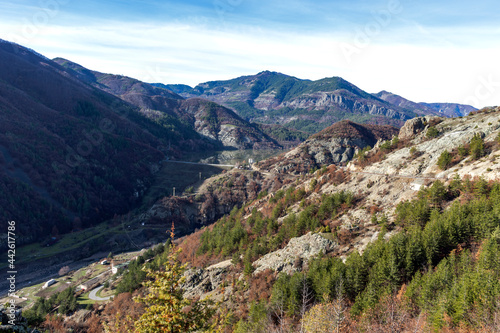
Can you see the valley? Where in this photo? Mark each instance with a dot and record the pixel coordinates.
(376, 190)
(259, 203)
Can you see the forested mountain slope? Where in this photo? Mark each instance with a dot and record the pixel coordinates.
(219, 125)
(71, 154)
(404, 238)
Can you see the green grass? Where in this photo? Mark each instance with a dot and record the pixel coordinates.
(78, 274)
(84, 299)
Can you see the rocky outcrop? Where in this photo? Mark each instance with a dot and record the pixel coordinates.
(13, 321)
(200, 282)
(336, 144)
(297, 252)
(342, 101)
(223, 126)
(411, 128)
(214, 198)
(452, 133)
(187, 213)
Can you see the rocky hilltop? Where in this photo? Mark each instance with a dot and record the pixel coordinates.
(428, 137)
(336, 144)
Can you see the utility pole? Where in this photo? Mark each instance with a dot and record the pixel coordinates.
(174, 192)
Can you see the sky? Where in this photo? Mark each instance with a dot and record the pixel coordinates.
(426, 51)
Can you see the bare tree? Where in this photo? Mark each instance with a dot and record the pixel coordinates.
(307, 299)
(278, 322)
(339, 306)
(390, 315)
(327, 317)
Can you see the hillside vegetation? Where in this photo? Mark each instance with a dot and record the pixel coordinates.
(383, 246)
(70, 155)
(79, 147)
(197, 118)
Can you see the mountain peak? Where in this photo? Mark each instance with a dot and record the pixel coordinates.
(19, 49)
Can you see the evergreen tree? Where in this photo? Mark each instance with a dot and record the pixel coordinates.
(477, 147)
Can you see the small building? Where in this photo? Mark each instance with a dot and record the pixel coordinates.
(49, 283)
(116, 267)
(91, 284)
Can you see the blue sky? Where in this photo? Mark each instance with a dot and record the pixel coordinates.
(432, 51)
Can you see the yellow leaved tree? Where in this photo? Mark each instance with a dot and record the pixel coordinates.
(166, 308)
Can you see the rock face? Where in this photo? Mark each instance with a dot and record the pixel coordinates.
(411, 128)
(299, 250)
(222, 125)
(200, 282)
(188, 213)
(336, 144)
(275, 98)
(452, 133)
(13, 321)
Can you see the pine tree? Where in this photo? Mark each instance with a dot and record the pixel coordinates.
(477, 147)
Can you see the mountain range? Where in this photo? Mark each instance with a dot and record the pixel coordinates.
(440, 109)
(275, 98)
(211, 121)
(363, 227)
(79, 146)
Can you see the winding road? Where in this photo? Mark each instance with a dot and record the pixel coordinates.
(215, 165)
(93, 295)
(397, 175)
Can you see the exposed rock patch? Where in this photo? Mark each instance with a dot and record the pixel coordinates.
(299, 249)
(201, 282)
(336, 144)
(411, 127)
(453, 133)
